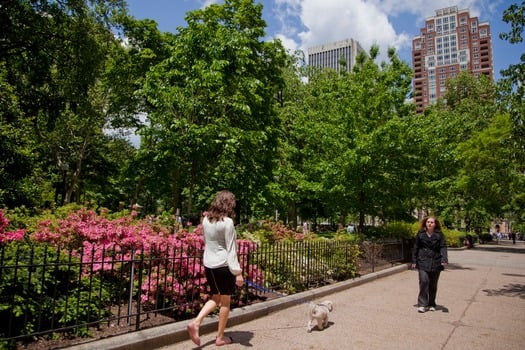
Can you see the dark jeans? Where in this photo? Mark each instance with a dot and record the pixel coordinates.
(428, 281)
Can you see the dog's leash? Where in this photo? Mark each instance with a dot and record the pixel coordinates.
(272, 291)
(264, 289)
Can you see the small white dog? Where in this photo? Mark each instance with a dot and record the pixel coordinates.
(318, 314)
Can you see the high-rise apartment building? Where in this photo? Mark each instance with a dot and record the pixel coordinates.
(451, 42)
(337, 55)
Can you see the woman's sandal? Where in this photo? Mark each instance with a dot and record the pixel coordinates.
(224, 341)
(194, 334)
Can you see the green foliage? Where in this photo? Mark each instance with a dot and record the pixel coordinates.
(454, 238)
(512, 97)
(271, 231)
(400, 229)
(297, 266)
(488, 171)
(218, 106)
(394, 229)
(44, 288)
(212, 123)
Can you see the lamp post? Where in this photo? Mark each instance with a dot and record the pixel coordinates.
(64, 167)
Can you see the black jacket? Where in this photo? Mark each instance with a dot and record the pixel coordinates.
(429, 252)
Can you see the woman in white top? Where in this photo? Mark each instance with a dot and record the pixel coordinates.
(221, 264)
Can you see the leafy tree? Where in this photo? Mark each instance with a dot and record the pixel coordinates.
(512, 87)
(342, 144)
(487, 174)
(375, 171)
(214, 123)
(468, 107)
(55, 55)
(285, 191)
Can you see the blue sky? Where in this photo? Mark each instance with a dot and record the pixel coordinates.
(301, 24)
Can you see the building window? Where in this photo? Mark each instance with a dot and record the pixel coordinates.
(430, 27)
(483, 32)
(463, 20)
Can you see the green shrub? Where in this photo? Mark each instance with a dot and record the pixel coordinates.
(454, 238)
(41, 287)
(400, 229)
(395, 229)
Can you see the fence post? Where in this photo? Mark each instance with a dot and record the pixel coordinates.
(131, 274)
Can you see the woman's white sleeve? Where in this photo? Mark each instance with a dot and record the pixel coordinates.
(231, 245)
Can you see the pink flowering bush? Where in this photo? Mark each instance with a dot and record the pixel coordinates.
(271, 231)
(8, 236)
(38, 283)
(86, 262)
(174, 274)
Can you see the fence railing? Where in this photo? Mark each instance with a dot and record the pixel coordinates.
(46, 290)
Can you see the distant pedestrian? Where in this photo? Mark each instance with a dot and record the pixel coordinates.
(429, 256)
(221, 264)
(469, 241)
(498, 234)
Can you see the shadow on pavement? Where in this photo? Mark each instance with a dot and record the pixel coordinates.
(501, 249)
(455, 266)
(243, 338)
(509, 290)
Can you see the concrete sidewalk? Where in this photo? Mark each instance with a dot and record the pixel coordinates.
(481, 305)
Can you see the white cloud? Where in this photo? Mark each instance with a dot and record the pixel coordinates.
(322, 21)
(307, 23)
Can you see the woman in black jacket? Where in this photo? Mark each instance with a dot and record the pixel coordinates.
(429, 255)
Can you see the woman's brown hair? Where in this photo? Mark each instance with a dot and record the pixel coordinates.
(222, 205)
(424, 223)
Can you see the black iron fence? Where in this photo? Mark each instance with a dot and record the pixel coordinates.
(51, 290)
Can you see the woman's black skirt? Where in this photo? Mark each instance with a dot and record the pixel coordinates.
(221, 280)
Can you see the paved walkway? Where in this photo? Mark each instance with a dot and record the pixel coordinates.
(481, 305)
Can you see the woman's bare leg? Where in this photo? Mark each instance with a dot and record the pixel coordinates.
(224, 312)
(193, 327)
